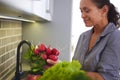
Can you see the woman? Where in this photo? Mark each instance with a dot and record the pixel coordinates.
(98, 50)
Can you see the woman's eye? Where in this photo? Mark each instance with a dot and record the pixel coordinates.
(87, 11)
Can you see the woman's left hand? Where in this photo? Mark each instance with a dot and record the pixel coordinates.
(51, 61)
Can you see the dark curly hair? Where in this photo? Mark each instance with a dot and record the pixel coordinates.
(113, 14)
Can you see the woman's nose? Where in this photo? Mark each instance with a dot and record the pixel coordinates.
(83, 15)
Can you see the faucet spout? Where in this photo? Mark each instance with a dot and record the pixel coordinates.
(18, 73)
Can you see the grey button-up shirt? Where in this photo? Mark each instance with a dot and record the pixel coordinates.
(104, 57)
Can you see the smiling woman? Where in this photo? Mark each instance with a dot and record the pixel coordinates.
(98, 49)
(77, 23)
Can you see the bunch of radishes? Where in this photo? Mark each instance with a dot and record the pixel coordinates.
(46, 52)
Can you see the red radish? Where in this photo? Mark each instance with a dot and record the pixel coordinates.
(48, 51)
(55, 52)
(44, 56)
(33, 77)
(36, 52)
(53, 57)
(41, 47)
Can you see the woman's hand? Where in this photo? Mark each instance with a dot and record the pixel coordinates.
(51, 61)
(94, 76)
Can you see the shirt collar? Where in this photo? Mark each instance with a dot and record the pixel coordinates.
(109, 28)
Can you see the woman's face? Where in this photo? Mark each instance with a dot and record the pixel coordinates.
(92, 16)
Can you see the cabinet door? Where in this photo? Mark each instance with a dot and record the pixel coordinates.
(43, 8)
(23, 5)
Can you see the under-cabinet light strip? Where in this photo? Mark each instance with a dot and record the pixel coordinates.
(13, 18)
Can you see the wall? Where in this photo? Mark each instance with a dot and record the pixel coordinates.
(78, 25)
(10, 35)
(56, 33)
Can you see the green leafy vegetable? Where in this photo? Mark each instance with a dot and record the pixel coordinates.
(65, 71)
(36, 62)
